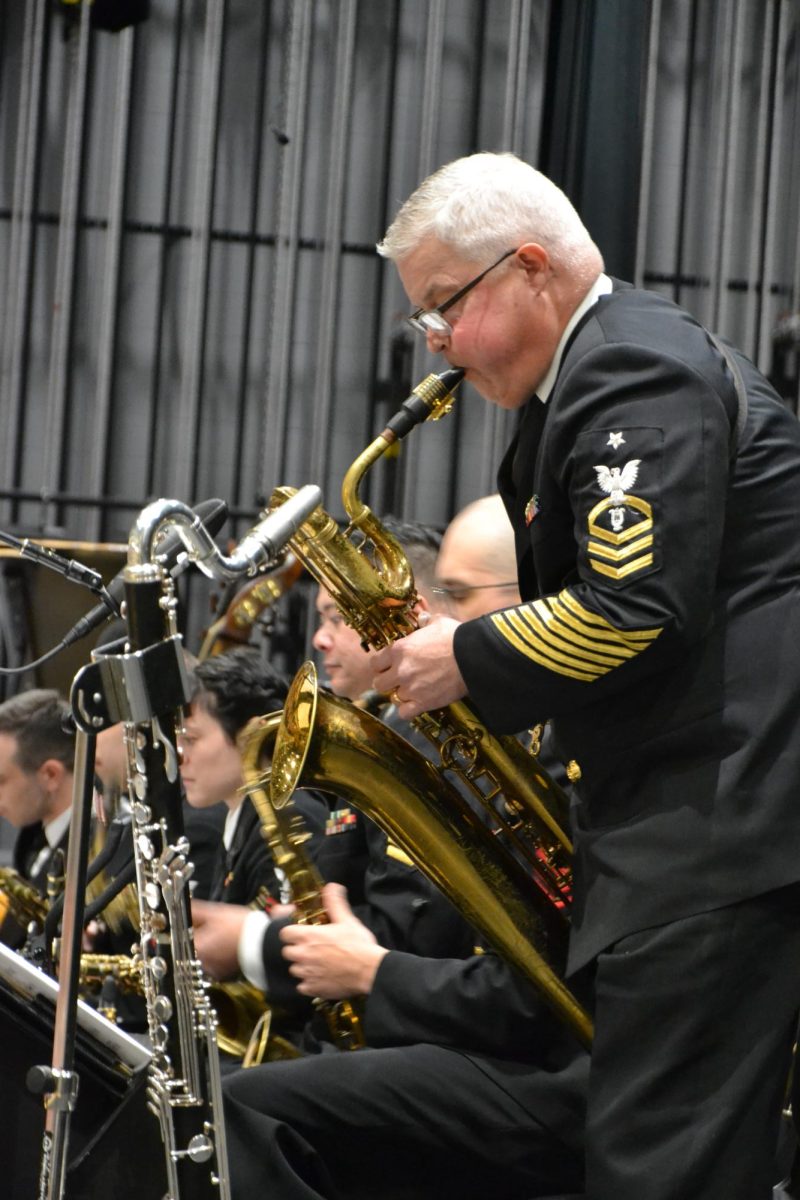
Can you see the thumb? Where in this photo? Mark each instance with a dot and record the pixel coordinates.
(337, 906)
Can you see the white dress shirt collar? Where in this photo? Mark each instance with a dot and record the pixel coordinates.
(601, 287)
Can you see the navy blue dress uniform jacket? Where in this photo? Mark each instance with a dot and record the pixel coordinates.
(241, 871)
(659, 563)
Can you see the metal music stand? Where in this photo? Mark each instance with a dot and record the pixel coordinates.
(58, 1083)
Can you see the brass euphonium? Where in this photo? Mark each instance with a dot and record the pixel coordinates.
(235, 625)
(522, 910)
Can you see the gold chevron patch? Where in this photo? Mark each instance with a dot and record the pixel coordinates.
(619, 554)
(560, 634)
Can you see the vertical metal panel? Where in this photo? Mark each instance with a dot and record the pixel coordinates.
(293, 120)
(18, 282)
(329, 298)
(197, 294)
(727, 145)
(58, 384)
(97, 457)
(648, 141)
(770, 262)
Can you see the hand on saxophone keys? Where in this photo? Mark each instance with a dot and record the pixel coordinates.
(334, 961)
(419, 672)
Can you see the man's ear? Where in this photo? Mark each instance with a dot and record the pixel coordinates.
(536, 262)
(422, 605)
(51, 774)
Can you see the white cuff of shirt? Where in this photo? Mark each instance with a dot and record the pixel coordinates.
(250, 948)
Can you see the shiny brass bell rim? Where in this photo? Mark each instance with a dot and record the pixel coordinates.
(294, 735)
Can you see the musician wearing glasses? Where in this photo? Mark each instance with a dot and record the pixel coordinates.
(654, 489)
(474, 559)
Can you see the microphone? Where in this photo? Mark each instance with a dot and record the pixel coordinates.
(271, 534)
(213, 514)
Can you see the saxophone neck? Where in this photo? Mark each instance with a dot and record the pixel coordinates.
(283, 831)
(357, 511)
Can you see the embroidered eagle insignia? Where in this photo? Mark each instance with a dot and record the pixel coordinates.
(616, 481)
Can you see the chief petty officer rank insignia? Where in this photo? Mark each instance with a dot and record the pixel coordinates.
(621, 524)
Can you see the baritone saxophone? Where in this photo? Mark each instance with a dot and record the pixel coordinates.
(524, 909)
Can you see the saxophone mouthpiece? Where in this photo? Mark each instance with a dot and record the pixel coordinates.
(432, 398)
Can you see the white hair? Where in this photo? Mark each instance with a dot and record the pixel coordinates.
(486, 203)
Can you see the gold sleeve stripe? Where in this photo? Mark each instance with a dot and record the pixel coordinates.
(510, 636)
(631, 637)
(553, 632)
(563, 636)
(558, 614)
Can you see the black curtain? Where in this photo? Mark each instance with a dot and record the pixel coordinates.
(593, 119)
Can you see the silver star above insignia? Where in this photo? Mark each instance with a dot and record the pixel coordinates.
(615, 440)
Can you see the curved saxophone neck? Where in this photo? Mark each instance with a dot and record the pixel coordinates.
(431, 399)
(356, 509)
(255, 739)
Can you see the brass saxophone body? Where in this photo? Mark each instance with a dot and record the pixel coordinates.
(20, 900)
(285, 834)
(372, 584)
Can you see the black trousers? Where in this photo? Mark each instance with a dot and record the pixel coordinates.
(694, 1027)
(412, 1123)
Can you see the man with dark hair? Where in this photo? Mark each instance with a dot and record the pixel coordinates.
(228, 691)
(36, 766)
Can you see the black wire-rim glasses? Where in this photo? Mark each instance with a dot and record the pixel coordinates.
(432, 320)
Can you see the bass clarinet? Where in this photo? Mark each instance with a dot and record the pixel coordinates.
(146, 688)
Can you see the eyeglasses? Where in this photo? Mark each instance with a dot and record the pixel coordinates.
(431, 320)
(460, 591)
